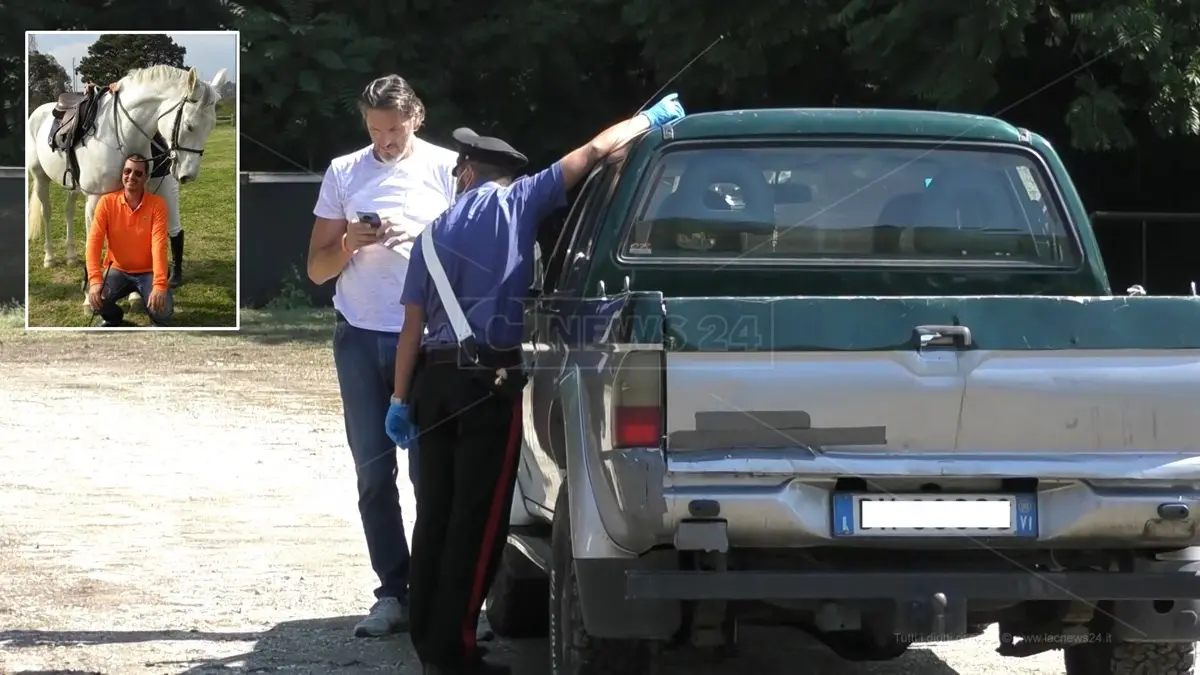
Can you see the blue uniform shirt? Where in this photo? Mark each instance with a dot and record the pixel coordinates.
(485, 244)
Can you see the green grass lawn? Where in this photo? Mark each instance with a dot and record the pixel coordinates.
(208, 297)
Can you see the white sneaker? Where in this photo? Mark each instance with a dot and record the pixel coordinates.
(387, 615)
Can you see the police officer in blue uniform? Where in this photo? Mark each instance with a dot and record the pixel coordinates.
(465, 396)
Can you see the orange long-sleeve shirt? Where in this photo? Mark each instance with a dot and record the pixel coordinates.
(136, 238)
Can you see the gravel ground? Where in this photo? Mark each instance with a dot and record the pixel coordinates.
(185, 505)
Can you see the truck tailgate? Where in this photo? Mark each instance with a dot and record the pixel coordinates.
(994, 374)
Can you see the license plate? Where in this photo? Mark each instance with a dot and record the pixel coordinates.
(934, 515)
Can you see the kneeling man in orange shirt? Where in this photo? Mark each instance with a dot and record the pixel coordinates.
(133, 223)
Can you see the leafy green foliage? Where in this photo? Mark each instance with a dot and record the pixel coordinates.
(306, 66)
(113, 55)
(546, 74)
(1132, 64)
(47, 79)
(293, 293)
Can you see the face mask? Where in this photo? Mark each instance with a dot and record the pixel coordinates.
(462, 183)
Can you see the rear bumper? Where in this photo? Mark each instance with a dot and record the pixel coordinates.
(997, 586)
(1147, 606)
(783, 498)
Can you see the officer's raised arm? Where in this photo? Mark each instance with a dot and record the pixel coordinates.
(579, 162)
(546, 190)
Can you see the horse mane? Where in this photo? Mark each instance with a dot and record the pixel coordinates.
(170, 76)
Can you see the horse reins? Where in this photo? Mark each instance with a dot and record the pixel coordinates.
(173, 146)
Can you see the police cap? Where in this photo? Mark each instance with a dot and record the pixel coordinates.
(487, 150)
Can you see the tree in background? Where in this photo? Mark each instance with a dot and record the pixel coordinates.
(310, 64)
(47, 79)
(1111, 73)
(227, 106)
(113, 55)
(1085, 76)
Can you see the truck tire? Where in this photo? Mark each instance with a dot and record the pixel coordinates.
(572, 650)
(516, 605)
(1131, 658)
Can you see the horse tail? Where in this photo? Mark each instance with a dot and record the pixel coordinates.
(36, 207)
(38, 179)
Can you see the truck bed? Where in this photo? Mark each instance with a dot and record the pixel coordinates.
(1082, 407)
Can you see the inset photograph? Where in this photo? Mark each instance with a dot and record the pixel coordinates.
(132, 137)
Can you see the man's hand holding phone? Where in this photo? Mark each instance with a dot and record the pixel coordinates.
(363, 232)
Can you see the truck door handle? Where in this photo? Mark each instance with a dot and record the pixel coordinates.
(942, 336)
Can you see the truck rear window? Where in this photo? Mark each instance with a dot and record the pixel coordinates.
(880, 204)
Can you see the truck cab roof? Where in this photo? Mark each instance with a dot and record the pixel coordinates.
(894, 123)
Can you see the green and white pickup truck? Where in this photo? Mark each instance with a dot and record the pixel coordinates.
(859, 372)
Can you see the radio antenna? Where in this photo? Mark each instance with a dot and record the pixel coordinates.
(680, 72)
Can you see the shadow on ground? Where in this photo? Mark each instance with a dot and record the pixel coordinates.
(327, 647)
(324, 646)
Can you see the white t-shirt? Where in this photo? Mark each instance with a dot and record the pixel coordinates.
(411, 194)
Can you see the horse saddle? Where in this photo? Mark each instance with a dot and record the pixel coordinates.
(74, 116)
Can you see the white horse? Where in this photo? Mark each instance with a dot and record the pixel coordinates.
(164, 100)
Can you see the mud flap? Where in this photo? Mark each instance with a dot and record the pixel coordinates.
(520, 514)
(1165, 620)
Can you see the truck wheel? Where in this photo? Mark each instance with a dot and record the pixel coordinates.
(516, 604)
(1131, 658)
(572, 650)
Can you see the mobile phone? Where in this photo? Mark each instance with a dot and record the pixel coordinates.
(371, 219)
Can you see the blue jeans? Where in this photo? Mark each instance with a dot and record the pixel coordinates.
(118, 285)
(366, 370)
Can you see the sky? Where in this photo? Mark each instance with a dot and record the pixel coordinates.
(207, 52)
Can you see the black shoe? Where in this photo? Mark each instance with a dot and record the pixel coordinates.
(113, 321)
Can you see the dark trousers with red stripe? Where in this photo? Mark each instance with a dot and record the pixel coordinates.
(469, 446)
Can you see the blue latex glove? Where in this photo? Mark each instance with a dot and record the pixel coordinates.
(399, 428)
(668, 109)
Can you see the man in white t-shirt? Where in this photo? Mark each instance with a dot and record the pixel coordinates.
(407, 182)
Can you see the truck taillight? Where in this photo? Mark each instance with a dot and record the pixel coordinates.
(637, 412)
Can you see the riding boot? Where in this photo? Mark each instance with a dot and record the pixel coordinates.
(177, 260)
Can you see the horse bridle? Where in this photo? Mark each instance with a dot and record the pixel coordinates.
(173, 145)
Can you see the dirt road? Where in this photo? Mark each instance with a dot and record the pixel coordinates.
(186, 506)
